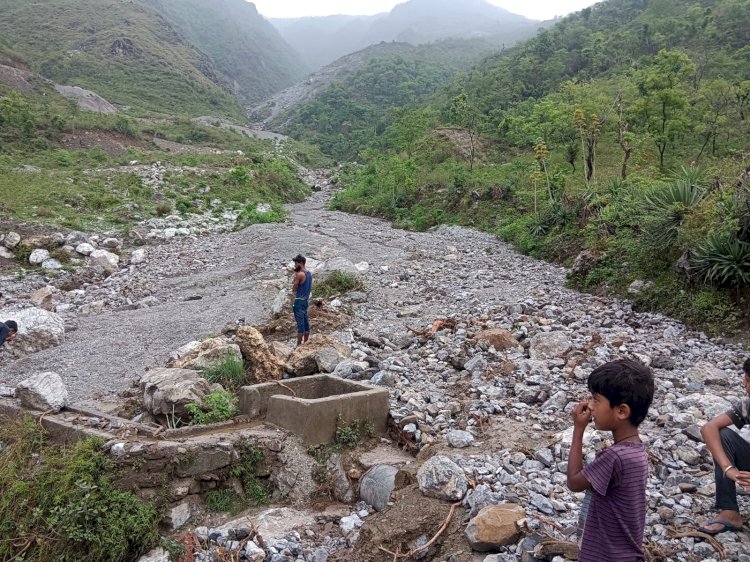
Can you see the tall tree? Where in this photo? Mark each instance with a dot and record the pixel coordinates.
(663, 98)
(465, 114)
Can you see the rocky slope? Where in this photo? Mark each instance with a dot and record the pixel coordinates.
(488, 388)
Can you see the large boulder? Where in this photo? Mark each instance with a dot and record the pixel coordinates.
(261, 364)
(443, 479)
(495, 526)
(38, 256)
(43, 298)
(11, 240)
(108, 261)
(340, 264)
(376, 486)
(45, 392)
(37, 330)
(207, 354)
(549, 345)
(319, 354)
(500, 339)
(166, 392)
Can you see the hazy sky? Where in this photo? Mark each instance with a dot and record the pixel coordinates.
(534, 9)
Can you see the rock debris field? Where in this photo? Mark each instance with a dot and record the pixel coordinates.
(484, 393)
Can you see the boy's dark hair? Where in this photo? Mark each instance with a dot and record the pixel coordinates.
(625, 382)
(746, 366)
(12, 325)
(299, 259)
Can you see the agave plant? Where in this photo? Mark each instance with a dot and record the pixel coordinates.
(723, 260)
(668, 208)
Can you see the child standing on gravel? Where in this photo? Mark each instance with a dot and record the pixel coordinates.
(621, 394)
(731, 455)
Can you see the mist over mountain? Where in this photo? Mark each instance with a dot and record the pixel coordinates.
(241, 43)
(321, 40)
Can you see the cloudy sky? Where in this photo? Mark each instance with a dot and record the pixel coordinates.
(535, 9)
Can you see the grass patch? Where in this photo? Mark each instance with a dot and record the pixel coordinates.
(338, 283)
(255, 490)
(251, 216)
(217, 407)
(229, 373)
(60, 503)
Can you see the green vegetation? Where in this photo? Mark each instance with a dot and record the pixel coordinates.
(337, 283)
(217, 407)
(59, 503)
(255, 491)
(229, 373)
(622, 130)
(155, 56)
(242, 45)
(86, 190)
(355, 111)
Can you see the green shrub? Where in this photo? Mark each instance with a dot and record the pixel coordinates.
(163, 209)
(337, 283)
(250, 216)
(229, 373)
(246, 469)
(723, 260)
(666, 209)
(60, 503)
(216, 407)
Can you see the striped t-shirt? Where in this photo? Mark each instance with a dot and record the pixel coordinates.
(613, 531)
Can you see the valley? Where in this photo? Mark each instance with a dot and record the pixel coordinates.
(491, 207)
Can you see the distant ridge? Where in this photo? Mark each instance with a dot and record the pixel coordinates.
(321, 40)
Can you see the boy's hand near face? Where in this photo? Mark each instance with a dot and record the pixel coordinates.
(581, 415)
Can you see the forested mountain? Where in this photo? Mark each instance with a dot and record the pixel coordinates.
(153, 55)
(323, 40)
(345, 105)
(619, 135)
(242, 44)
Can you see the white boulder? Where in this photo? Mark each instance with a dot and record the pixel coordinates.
(45, 392)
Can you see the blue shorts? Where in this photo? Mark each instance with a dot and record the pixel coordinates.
(300, 315)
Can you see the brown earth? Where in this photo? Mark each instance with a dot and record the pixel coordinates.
(398, 527)
(323, 320)
(114, 144)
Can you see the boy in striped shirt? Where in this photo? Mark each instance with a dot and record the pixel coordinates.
(621, 393)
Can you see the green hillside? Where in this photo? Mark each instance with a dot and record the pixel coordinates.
(123, 51)
(355, 110)
(623, 131)
(241, 43)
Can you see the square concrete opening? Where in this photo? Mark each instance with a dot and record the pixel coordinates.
(320, 402)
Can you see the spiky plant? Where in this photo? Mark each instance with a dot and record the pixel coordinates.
(723, 260)
(667, 208)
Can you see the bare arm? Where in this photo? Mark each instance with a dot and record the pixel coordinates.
(577, 482)
(299, 278)
(712, 437)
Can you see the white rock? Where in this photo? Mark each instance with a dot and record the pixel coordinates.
(51, 265)
(85, 249)
(38, 256)
(156, 555)
(12, 239)
(37, 330)
(362, 267)
(138, 256)
(45, 391)
(348, 524)
(460, 439)
(254, 553)
(107, 260)
(6, 253)
(111, 243)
